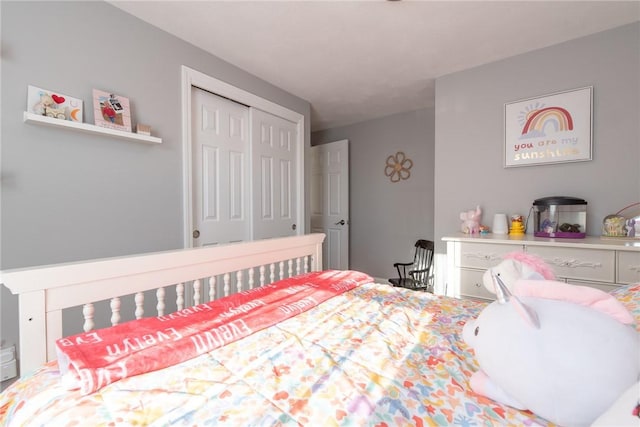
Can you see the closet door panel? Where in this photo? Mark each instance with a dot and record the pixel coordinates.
(220, 132)
(275, 181)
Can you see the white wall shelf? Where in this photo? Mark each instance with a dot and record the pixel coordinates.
(85, 127)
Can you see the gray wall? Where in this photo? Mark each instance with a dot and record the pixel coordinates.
(465, 137)
(469, 131)
(71, 196)
(387, 218)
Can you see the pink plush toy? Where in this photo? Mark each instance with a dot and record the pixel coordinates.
(471, 221)
(564, 352)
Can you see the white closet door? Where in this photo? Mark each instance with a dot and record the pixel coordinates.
(221, 194)
(274, 171)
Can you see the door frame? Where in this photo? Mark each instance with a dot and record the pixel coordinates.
(191, 77)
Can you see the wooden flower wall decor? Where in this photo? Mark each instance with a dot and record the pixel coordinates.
(397, 167)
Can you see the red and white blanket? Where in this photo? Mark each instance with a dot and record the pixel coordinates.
(92, 360)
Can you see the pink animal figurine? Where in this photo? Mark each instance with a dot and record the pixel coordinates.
(471, 221)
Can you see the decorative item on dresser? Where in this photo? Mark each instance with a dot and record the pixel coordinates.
(560, 217)
(471, 220)
(590, 261)
(623, 223)
(500, 225)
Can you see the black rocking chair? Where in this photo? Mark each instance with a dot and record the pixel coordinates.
(416, 275)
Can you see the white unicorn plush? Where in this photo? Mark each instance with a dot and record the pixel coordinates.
(564, 352)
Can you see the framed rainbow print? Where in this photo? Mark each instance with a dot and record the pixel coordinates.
(555, 128)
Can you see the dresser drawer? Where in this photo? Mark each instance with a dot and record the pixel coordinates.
(484, 255)
(628, 268)
(581, 264)
(471, 285)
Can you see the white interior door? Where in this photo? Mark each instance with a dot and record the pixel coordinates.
(274, 171)
(330, 201)
(221, 193)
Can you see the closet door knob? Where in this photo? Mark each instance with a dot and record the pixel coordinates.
(196, 234)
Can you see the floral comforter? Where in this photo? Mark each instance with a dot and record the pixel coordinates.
(374, 356)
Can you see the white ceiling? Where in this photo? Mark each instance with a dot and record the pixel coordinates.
(358, 60)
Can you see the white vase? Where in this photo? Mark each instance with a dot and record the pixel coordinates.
(500, 224)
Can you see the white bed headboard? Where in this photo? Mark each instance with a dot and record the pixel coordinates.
(45, 291)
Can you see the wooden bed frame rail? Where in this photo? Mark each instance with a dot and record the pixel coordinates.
(45, 291)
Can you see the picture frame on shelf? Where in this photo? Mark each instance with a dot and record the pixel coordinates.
(111, 111)
(553, 128)
(45, 102)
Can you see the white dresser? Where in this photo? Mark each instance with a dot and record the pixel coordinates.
(592, 261)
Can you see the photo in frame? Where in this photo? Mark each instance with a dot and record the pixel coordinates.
(554, 128)
(111, 111)
(44, 102)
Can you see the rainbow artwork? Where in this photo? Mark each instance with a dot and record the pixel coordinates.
(556, 118)
(549, 129)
